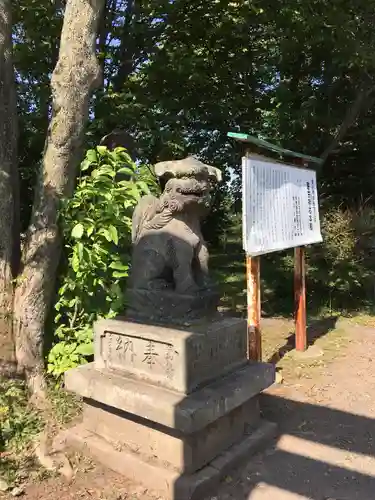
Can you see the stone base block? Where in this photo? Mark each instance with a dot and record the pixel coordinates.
(186, 414)
(178, 358)
(175, 443)
(171, 449)
(169, 483)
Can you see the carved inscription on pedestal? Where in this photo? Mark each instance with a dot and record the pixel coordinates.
(139, 355)
(222, 350)
(180, 360)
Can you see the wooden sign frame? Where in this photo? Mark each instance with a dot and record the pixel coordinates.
(253, 264)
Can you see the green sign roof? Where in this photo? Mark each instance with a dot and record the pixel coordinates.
(272, 147)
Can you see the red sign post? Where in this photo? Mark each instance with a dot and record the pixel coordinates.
(254, 338)
(300, 299)
(300, 315)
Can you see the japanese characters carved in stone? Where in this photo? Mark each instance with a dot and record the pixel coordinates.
(169, 276)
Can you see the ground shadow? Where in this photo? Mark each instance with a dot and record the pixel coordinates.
(320, 477)
(315, 331)
(331, 460)
(331, 427)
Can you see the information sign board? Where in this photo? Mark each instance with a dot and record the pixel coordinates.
(280, 206)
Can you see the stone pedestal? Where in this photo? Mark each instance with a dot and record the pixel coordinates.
(171, 408)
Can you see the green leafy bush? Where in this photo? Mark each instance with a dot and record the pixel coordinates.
(340, 270)
(96, 224)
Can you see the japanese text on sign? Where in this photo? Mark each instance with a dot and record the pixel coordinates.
(280, 206)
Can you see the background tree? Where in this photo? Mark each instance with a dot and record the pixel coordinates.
(8, 189)
(76, 74)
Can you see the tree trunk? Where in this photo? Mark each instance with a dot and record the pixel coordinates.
(76, 75)
(8, 187)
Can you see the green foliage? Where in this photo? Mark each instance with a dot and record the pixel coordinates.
(341, 269)
(35, 53)
(217, 224)
(19, 426)
(18, 423)
(96, 225)
(179, 75)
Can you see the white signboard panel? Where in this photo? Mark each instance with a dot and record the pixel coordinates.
(280, 206)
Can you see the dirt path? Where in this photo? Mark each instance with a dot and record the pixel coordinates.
(325, 450)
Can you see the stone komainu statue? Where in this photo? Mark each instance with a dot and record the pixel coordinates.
(169, 276)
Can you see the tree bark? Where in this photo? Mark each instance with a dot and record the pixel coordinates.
(76, 75)
(8, 189)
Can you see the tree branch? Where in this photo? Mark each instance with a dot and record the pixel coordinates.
(350, 118)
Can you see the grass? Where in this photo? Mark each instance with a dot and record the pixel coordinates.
(66, 406)
(20, 426)
(330, 334)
